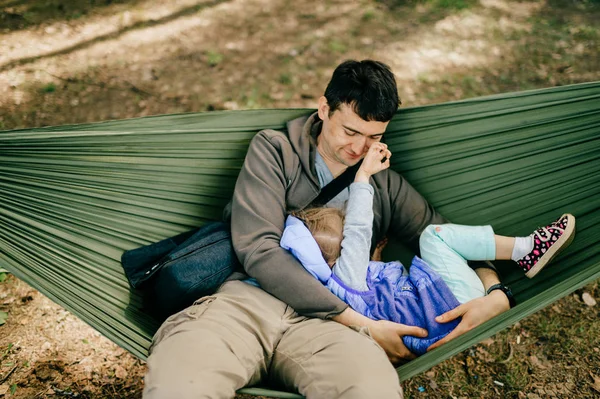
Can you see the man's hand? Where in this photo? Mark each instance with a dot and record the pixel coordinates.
(389, 336)
(386, 333)
(474, 313)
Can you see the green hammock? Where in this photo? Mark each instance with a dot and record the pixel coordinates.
(75, 197)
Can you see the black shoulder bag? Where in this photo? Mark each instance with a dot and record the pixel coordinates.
(176, 271)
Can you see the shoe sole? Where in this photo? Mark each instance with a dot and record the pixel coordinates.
(560, 244)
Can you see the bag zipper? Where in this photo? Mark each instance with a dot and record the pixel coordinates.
(165, 262)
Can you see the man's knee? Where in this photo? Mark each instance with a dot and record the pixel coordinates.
(202, 386)
(205, 370)
(368, 385)
(337, 363)
(370, 374)
(201, 352)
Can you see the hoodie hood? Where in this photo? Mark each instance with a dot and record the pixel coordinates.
(300, 242)
(303, 133)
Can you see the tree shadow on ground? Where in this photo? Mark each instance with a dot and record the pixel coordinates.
(185, 11)
(22, 14)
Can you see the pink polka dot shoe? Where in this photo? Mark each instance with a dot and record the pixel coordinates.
(547, 243)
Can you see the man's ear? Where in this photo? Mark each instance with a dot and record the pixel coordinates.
(323, 108)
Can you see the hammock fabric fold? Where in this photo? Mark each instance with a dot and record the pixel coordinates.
(75, 197)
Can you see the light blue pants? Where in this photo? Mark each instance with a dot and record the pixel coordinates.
(447, 247)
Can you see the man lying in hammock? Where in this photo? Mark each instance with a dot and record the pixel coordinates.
(293, 332)
(334, 246)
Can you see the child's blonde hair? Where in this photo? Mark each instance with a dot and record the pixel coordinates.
(327, 227)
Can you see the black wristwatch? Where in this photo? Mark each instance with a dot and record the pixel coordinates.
(506, 290)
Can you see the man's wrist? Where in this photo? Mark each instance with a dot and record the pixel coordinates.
(503, 294)
(350, 317)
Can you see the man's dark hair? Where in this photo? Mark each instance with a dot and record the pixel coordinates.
(367, 86)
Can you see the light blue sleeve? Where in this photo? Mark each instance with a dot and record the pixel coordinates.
(352, 265)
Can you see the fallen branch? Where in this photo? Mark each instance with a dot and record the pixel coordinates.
(68, 394)
(8, 375)
(510, 355)
(137, 90)
(103, 85)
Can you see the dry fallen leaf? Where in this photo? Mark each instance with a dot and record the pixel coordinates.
(536, 362)
(120, 372)
(596, 383)
(484, 355)
(556, 308)
(3, 389)
(588, 299)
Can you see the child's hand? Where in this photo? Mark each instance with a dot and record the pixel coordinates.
(377, 254)
(376, 160)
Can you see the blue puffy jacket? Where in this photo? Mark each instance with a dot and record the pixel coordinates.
(413, 299)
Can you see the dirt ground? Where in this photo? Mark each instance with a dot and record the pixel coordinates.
(90, 60)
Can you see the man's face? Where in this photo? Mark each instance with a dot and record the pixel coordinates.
(345, 137)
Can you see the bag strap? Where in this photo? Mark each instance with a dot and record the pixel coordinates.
(335, 186)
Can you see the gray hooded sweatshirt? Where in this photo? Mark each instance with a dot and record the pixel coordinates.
(279, 176)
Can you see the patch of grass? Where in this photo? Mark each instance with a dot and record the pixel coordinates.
(286, 59)
(454, 5)
(76, 15)
(469, 83)
(548, 327)
(428, 11)
(7, 351)
(585, 32)
(285, 78)
(423, 78)
(214, 58)
(252, 98)
(449, 5)
(49, 88)
(368, 15)
(516, 376)
(28, 13)
(336, 46)
(308, 16)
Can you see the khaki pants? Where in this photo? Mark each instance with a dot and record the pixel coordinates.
(242, 336)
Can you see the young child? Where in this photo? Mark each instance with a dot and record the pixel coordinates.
(334, 247)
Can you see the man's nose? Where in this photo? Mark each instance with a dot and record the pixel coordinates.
(359, 146)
